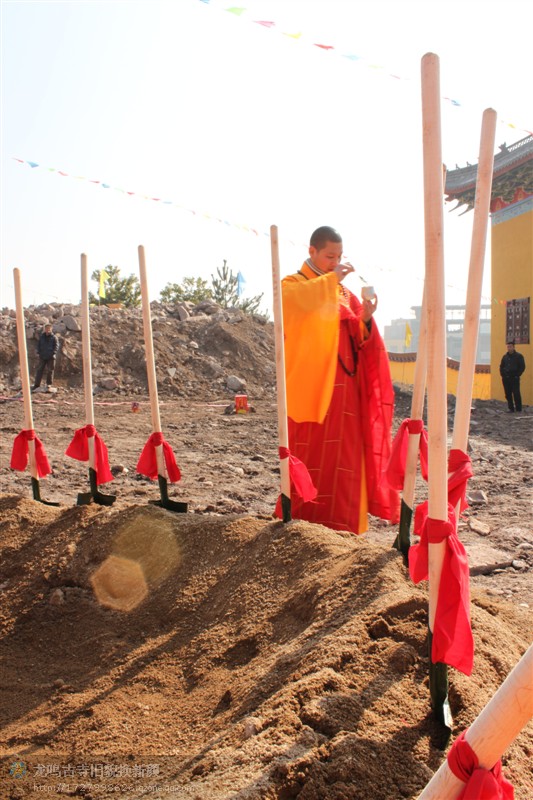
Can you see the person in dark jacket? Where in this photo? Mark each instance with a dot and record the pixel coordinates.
(47, 348)
(512, 366)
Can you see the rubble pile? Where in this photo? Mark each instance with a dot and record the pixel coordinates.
(200, 350)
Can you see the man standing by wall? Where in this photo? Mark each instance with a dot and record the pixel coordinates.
(47, 348)
(512, 366)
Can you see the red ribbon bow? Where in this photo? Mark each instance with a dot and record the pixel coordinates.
(395, 470)
(300, 477)
(459, 470)
(79, 449)
(147, 463)
(481, 784)
(21, 452)
(453, 642)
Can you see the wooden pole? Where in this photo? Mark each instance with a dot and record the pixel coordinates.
(86, 353)
(162, 473)
(436, 365)
(150, 363)
(24, 373)
(495, 728)
(283, 430)
(475, 280)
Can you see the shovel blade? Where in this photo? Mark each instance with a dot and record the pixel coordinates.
(286, 513)
(403, 539)
(104, 499)
(84, 498)
(36, 491)
(171, 505)
(165, 501)
(438, 689)
(99, 497)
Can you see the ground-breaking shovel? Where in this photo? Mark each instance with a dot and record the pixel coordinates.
(26, 394)
(283, 434)
(491, 733)
(94, 495)
(436, 361)
(294, 473)
(160, 445)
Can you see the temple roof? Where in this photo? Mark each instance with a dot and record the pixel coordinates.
(512, 171)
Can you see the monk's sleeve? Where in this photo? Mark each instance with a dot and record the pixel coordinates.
(311, 327)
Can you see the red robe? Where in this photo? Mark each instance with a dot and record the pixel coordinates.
(345, 412)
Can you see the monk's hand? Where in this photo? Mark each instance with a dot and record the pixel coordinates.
(342, 270)
(369, 307)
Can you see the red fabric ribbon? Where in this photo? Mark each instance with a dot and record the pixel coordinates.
(459, 470)
(147, 463)
(453, 642)
(300, 476)
(395, 470)
(79, 449)
(481, 784)
(21, 453)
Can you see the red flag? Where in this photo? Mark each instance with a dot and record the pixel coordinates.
(79, 449)
(395, 470)
(481, 784)
(20, 454)
(460, 470)
(453, 642)
(147, 464)
(300, 476)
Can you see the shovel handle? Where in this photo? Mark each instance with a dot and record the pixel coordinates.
(23, 352)
(467, 366)
(283, 430)
(24, 372)
(436, 324)
(149, 346)
(86, 349)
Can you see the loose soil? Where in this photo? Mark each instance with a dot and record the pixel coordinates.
(219, 653)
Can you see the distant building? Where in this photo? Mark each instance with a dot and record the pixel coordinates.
(402, 335)
(511, 210)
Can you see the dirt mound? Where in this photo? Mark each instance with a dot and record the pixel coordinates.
(256, 660)
(217, 654)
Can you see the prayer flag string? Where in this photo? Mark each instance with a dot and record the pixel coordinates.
(245, 13)
(203, 215)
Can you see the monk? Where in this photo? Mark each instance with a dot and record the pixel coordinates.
(339, 392)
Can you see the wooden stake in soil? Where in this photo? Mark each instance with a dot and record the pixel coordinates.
(162, 474)
(283, 432)
(492, 732)
(436, 364)
(28, 433)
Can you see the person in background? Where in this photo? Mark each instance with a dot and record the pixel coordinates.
(47, 347)
(512, 366)
(340, 396)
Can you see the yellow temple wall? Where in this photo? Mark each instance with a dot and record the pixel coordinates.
(512, 278)
(403, 371)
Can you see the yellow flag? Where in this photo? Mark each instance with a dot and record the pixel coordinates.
(408, 334)
(103, 278)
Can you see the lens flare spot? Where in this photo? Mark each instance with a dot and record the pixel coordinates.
(119, 583)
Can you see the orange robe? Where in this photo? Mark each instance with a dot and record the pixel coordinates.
(340, 417)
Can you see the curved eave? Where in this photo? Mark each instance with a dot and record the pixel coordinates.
(513, 168)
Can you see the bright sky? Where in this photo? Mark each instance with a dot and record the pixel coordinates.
(247, 127)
